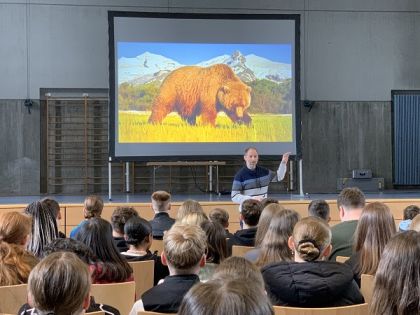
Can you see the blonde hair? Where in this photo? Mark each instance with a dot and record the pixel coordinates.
(14, 227)
(196, 218)
(161, 200)
(187, 207)
(311, 236)
(15, 264)
(184, 246)
(93, 206)
(60, 283)
(264, 222)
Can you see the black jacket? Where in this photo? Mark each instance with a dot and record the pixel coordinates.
(311, 284)
(160, 223)
(242, 238)
(120, 243)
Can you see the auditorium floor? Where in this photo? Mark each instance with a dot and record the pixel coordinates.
(140, 198)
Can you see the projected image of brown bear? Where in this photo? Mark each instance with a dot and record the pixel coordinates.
(193, 91)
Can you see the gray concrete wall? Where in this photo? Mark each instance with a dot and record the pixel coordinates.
(351, 51)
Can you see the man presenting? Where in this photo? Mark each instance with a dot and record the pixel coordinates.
(251, 181)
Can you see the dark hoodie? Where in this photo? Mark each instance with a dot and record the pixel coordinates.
(311, 284)
(242, 238)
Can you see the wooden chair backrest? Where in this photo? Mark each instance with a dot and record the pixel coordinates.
(12, 297)
(360, 309)
(341, 259)
(157, 245)
(96, 313)
(366, 287)
(153, 313)
(240, 251)
(143, 272)
(118, 295)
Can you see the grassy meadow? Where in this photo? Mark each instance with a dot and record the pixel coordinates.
(133, 127)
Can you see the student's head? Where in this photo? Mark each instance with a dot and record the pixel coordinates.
(350, 202)
(44, 227)
(196, 218)
(251, 158)
(267, 201)
(15, 264)
(60, 284)
(320, 209)
(397, 281)
(137, 232)
(15, 228)
(410, 212)
(239, 297)
(264, 221)
(184, 248)
(238, 268)
(274, 247)
(221, 216)
(251, 211)
(161, 201)
(187, 207)
(311, 239)
(374, 229)
(120, 216)
(93, 206)
(96, 233)
(216, 242)
(415, 224)
(72, 246)
(53, 206)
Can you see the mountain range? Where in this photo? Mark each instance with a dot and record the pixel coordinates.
(149, 67)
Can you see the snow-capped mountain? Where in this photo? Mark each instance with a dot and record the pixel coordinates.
(149, 67)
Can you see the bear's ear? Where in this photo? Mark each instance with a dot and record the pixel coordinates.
(225, 89)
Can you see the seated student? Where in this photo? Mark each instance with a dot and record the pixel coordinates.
(376, 226)
(15, 228)
(55, 208)
(59, 284)
(161, 204)
(184, 252)
(222, 217)
(239, 297)
(250, 215)
(15, 264)
(196, 218)
(118, 219)
(111, 267)
(92, 208)
(216, 248)
(138, 235)
(319, 208)
(44, 227)
(309, 281)
(187, 207)
(409, 213)
(268, 201)
(86, 255)
(397, 280)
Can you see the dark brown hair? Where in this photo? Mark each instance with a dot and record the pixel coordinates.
(351, 198)
(410, 212)
(161, 200)
(93, 206)
(320, 209)
(264, 221)
(120, 216)
(219, 215)
(251, 211)
(216, 242)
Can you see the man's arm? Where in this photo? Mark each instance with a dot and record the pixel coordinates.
(281, 171)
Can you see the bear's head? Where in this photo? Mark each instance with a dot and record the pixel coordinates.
(235, 99)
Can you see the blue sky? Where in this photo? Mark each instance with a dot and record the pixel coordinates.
(190, 54)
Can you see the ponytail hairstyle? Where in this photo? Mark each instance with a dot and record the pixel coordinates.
(311, 236)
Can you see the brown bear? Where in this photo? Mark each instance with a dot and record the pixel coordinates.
(192, 91)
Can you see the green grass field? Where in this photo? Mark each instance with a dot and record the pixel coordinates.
(133, 127)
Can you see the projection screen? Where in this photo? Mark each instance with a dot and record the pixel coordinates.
(195, 86)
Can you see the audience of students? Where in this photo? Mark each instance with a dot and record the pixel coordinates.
(309, 281)
(216, 248)
(96, 233)
(319, 208)
(184, 252)
(222, 217)
(376, 226)
(161, 204)
(397, 281)
(350, 202)
(118, 219)
(92, 208)
(15, 228)
(409, 214)
(138, 235)
(44, 227)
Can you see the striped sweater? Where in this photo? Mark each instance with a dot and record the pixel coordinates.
(250, 183)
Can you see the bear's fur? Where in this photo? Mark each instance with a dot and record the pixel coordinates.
(193, 91)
